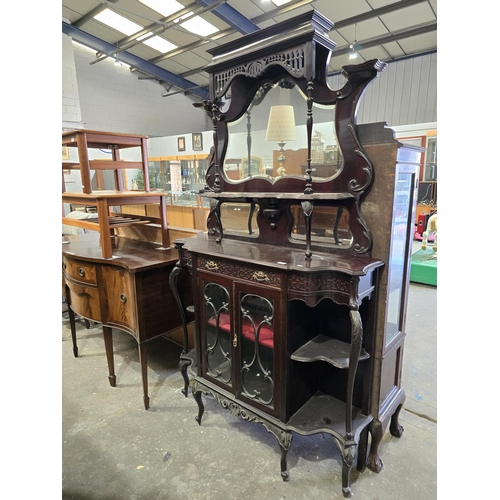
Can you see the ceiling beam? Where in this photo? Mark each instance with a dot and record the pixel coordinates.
(134, 61)
(231, 16)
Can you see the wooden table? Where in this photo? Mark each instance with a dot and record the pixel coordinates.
(130, 292)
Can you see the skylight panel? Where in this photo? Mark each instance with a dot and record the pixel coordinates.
(127, 27)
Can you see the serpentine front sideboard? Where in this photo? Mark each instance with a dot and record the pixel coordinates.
(130, 292)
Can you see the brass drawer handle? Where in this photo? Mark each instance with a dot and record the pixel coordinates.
(81, 272)
(261, 277)
(123, 298)
(211, 266)
(235, 340)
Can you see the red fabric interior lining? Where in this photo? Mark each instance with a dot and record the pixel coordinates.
(266, 335)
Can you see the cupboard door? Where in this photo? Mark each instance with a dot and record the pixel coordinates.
(119, 298)
(257, 320)
(216, 331)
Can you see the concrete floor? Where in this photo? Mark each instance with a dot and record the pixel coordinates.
(114, 449)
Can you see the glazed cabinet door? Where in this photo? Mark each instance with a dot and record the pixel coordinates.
(258, 323)
(216, 329)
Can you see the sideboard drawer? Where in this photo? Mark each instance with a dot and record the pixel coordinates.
(239, 270)
(85, 301)
(80, 271)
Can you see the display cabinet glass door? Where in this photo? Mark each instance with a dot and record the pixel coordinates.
(216, 331)
(257, 320)
(400, 253)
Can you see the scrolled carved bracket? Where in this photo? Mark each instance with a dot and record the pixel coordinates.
(214, 224)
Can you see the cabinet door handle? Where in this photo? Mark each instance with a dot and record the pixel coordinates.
(81, 272)
(123, 298)
(235, 340)
(211, 266)
(261, 277)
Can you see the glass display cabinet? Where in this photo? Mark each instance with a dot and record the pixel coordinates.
(294, 311)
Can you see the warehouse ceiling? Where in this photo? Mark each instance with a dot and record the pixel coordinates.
(167, 40)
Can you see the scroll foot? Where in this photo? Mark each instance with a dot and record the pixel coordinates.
(347, 492)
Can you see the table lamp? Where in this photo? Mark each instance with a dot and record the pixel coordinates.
(281, 128)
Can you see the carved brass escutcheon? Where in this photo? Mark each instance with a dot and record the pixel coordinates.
(235, 340)
(261, 277)
(211, 266)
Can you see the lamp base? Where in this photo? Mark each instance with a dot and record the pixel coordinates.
(281, 160)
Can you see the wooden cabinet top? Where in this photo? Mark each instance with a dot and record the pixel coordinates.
(132, 255)
(280, 257)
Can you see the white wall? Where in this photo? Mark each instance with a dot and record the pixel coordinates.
(71, 110)
(404, 93)
(113, 99)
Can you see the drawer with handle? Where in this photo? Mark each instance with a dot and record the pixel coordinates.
(82, 272)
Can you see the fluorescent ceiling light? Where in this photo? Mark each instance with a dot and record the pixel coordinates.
(279, 3)
(158, 43)
(163, 7)
(198, 25)
(127, 27)
(195, 24)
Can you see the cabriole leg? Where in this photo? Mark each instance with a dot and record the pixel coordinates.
(284, 447)
(396, 429)
(201, 407)
(348, 454)
(183, 367)
(373, 462)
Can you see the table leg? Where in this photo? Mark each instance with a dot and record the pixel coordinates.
(143, 360)
(108, 344)
(72, 322)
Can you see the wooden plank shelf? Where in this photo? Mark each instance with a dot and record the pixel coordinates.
(323, 348)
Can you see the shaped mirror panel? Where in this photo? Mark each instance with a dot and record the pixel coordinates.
(270, 138)
(240, 218)
(328, 225)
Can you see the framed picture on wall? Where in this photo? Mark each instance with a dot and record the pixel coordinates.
(181, 144)
(197, 142)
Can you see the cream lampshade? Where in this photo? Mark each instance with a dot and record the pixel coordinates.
(281, 128)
